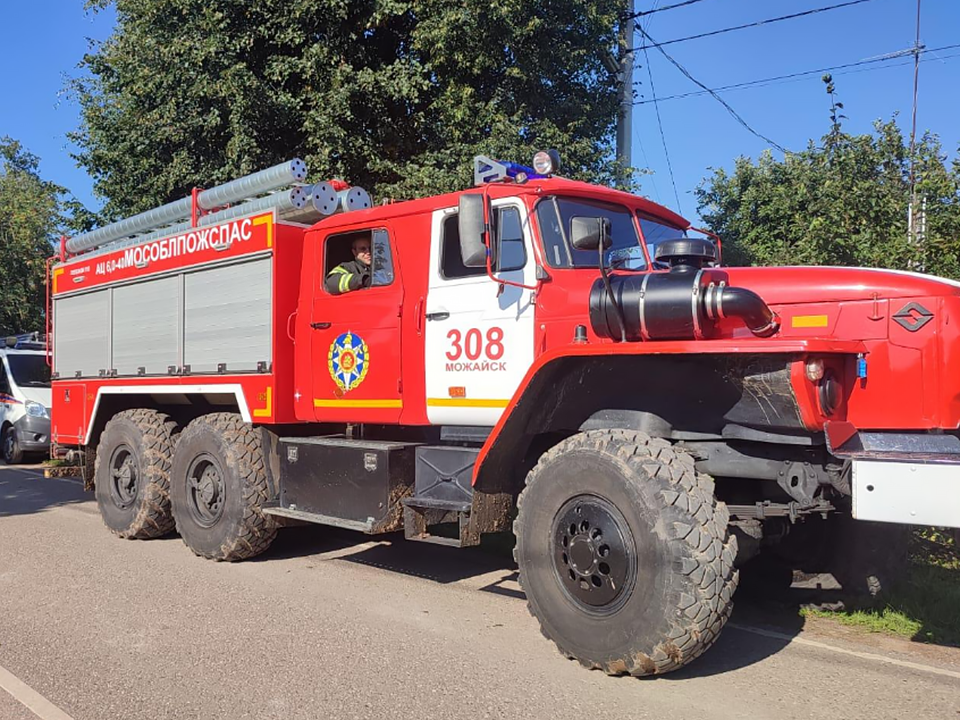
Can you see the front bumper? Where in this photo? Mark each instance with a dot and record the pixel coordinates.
(33, 433)
(901, 477)
(914, 493)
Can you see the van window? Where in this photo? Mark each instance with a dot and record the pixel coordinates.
(29, 370)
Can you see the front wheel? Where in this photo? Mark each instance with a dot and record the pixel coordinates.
(219, 488)
(12, 452)
(624, 553)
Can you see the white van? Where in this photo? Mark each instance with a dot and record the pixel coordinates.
(25, 399)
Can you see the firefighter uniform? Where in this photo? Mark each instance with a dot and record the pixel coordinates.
(347, 276)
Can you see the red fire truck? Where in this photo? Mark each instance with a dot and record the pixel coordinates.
(566, 361)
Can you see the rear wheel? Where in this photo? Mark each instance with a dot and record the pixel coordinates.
(12, 452)
(624, 553)
(132, 473)
(220, 487)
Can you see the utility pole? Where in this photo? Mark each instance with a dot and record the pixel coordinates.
(912, 224)
(625, 76)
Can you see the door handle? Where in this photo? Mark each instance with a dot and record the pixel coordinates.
(320, 325)
(438, 316)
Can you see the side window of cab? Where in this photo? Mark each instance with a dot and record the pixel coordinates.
(512, 252)
(357, 260)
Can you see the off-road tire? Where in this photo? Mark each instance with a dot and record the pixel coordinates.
(149, 437)
(233, 448)
(12, 452)
(684, 579)
(88, 466)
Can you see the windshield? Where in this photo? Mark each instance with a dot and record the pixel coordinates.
(654, 233)
(29, 370)
(554, 215)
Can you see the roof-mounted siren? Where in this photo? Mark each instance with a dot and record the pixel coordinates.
(487, 170)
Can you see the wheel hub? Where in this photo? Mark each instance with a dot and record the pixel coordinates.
(593, 553)
(124, 473)
(205, 490)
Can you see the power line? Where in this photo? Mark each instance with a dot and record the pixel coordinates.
(712, 93)
(913, 134)
(759, 23)
(790, 76)
(663, 137)
(646, 20)
(644, 13)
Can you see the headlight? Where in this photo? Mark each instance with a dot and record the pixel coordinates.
(35, 409)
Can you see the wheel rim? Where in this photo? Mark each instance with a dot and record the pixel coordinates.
(8, 445)
(205, 490)
(124, 477)
(594, 554)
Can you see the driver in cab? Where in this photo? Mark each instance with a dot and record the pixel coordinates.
(352, 274)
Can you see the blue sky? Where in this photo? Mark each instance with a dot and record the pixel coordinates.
(41, 44)
(699, 132)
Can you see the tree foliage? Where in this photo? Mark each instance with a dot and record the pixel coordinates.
(843, 201)
(30, 217)
(394, 95)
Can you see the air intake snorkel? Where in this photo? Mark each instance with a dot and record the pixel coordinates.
(681, 304)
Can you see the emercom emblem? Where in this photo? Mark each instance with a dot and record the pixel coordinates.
(912, 316)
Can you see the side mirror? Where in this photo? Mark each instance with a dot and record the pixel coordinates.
(586, 233)
(470, 223)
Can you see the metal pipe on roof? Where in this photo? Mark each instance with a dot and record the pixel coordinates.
(289, 201)
(234, 191)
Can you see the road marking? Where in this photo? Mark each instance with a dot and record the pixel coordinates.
(843, 651)
(30, 698)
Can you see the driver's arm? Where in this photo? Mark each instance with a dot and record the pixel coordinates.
(340, 280)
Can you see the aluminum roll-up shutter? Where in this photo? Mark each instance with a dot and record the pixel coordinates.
(228, 317)
(81, 339)
(146, 327)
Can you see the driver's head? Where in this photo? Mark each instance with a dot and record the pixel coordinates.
(361, 250)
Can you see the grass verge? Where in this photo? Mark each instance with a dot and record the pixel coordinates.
(925, 604)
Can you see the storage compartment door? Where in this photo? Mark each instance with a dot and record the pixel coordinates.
(146, 327)
(82, 334)
(228, 317)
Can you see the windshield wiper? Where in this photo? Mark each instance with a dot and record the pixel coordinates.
(617, 263)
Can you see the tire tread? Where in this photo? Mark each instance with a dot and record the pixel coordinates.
(256, 530)
(704, 577)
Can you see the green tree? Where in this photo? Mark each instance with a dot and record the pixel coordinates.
(843, 201)
(30, 219)
(394, 95)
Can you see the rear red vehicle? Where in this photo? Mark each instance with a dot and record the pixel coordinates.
(561, 360)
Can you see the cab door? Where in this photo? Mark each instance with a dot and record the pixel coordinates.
(479, 338)
(355, 337)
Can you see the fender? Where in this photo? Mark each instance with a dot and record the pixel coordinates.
(235, 389)
(507, 436)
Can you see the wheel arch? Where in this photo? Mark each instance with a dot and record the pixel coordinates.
(183, 404)
(667, 394)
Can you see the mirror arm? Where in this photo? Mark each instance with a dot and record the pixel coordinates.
(488, 241)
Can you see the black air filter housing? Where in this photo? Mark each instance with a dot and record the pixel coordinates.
(695, 252)
(656, 306)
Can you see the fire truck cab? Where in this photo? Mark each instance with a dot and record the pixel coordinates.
(563, 360)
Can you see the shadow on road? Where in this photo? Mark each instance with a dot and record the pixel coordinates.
(24, 490)
(765, 598)
(391, 552)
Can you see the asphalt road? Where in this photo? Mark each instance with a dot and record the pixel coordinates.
(330, 625)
